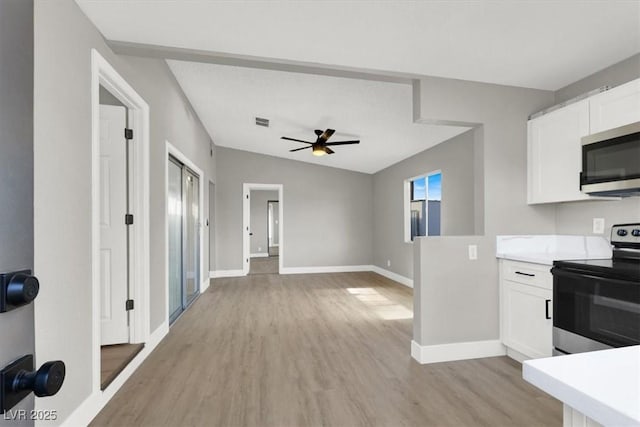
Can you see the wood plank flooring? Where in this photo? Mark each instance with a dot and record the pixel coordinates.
(114, 358)
(265, 265)
(312, 350)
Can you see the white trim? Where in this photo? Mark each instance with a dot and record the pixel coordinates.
(259, 255)
(327, 269)
(170, 149)
(103, 74)
(456, 351)
(226, 273)
(246, 222)
(205, 285)
(393, 276)
(516, 355)
(88, 409)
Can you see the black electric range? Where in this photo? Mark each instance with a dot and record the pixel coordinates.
(596, 303)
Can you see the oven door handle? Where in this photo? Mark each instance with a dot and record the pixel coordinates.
(557, 271)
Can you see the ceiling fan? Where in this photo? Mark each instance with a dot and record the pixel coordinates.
(321, 146)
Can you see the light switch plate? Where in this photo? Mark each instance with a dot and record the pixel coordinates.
(473, 252)
(598, 225)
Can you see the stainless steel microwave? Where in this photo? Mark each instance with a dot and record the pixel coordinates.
(611, 162)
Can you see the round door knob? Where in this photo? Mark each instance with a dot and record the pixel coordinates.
(22, 289)
(46, 381)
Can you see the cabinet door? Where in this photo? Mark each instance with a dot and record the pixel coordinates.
(616, 107)
(526, 328)
(554, 157)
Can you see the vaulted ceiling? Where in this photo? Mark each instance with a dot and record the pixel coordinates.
(538, 44)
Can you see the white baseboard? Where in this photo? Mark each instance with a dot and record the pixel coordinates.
(225, 273)
(456, 351)
(259, 255)
(205, 285)
(516, 355)
(393, 276)
(327, 269)
(88, 409)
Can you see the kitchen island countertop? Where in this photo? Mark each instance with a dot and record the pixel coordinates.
(603, 385)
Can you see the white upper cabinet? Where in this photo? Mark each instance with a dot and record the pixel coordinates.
(554, 154)
(554, 147)
(616, 107)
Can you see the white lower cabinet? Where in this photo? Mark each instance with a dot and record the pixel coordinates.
(526, 309)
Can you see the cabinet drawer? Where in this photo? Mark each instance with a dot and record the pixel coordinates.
(527, 273)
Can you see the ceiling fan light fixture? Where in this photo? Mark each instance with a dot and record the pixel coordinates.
(319, 150)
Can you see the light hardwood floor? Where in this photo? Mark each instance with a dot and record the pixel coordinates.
(307, 350)
(265, 265)
(114, 358)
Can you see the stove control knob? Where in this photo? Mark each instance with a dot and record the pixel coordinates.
(622, 232)
(636, 232)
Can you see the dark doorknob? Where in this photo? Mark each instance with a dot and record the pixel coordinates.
(46, 381)
(18, 379)
(17, 288)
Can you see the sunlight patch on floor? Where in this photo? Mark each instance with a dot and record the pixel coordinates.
(381, 305)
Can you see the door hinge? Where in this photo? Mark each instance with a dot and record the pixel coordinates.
(128, 133)
(128, 219)
(129, 305)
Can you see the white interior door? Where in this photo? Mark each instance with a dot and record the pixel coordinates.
(113, 233)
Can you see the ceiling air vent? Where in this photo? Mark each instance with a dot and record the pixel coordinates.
(262, 122)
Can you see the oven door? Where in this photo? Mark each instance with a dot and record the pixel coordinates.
(601, 309)
(611, 162)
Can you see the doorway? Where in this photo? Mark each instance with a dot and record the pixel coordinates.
(120, 223)
(273, 219)
(263, 228)
(184, 233)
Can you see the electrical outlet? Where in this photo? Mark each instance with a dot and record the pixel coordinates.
(598, 225)
(388, 263)
(473, 252)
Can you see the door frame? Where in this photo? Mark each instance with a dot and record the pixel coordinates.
(171, 150)
(246, 222)
(103, 74)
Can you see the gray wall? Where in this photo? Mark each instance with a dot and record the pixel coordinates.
(212, 228)
(64, 38)
(16, 174)
(456, 299)
(327, 213)
(577, 218)
(450, 303)
(258, 205)
(455, 158)
(614, 75)
(107, 98)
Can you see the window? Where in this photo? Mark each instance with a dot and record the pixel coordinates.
(423, 196)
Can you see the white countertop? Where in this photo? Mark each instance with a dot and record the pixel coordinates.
(603, 385)
(544, 249)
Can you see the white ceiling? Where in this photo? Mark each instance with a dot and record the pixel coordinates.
(227, 100)
(544, 44)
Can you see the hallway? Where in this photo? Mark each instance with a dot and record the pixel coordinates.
(322, 349)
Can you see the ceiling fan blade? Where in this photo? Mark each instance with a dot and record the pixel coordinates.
(328, 150)
(342, 143)
(293, 139)
(298, 149)
(326, 135)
